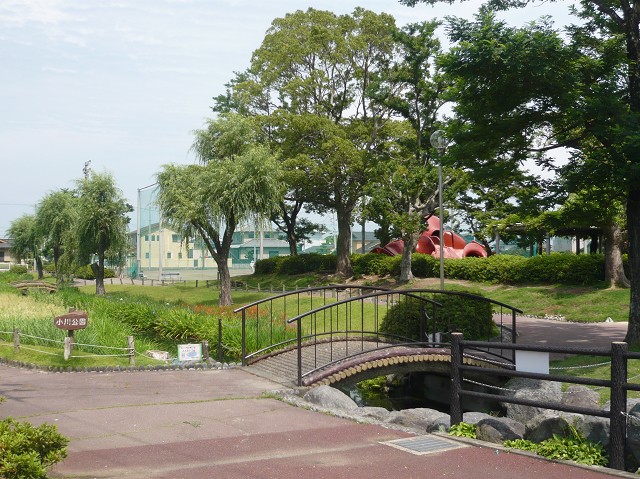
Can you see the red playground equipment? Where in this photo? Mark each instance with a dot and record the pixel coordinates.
(428, 243)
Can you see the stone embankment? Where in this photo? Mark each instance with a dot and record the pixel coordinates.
(518, 422)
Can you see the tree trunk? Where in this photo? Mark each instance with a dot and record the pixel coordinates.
(343, 243)
(593, 246)
(613, 268)
(98, 272)
(39, 268)
(633, 226)
(293, 243)
(408, 242)
(225, 282)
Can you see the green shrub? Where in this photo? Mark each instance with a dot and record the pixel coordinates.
(300, 264)
(573, 447)
(463, 429)
(26, 450)
(18, 269)
(425, 266)
(376, 264)
(85, 272)
(268, 265)
(9, 276)
(469, 315)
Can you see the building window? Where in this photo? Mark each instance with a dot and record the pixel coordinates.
(190, 254)
(146, 237)
(168, 254)
(176, 238)
(153, 237)
(146, 255)
(180, 255)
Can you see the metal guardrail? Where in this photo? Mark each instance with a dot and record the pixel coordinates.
(618, 384)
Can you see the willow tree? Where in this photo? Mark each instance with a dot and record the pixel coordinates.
(54, 221)
(237, 181)
(26, 241)
(100, 225)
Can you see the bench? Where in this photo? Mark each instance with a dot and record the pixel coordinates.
(170, 275)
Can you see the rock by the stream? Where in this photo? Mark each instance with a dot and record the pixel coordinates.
(545, 425)
(532, 389)
(633, 438)
(499, 429)
(578, 395)
(423, 419)
(474, 417)
(329, 398)
(370, 412)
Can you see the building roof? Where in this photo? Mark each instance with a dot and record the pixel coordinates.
(266, 243)
(368, 235)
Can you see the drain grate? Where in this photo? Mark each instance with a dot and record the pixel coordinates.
(423, 444)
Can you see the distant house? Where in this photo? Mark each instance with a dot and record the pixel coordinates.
(370, 241)
(249, 250)
(5, 254)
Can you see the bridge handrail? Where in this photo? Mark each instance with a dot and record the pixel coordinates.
(308, 290)
(361, 297)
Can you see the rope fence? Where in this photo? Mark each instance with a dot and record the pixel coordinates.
(69, 345)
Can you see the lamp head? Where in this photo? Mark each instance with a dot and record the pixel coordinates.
(438, 140)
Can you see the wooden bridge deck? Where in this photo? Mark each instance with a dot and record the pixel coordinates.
(283, 367)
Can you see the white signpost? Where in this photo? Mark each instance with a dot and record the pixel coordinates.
(189, 352)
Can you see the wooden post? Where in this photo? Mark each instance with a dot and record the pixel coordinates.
(618, 411)
(16, 340)
(67, 348)
(205, 350)
(196, 283)
(132, 351)
(220, 338)
(456, 379)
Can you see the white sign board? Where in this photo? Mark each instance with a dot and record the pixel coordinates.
(189, 352)
(532, 362)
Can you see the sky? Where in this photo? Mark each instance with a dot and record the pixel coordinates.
(122, 84)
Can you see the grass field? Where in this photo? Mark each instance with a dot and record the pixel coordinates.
(35, 312)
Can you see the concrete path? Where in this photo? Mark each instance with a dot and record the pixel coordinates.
(186, 424)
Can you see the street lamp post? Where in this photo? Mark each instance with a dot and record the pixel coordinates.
(439, 142)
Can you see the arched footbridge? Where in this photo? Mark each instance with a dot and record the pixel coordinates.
(340, 333)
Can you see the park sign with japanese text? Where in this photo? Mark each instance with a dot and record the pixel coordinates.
(72, 320)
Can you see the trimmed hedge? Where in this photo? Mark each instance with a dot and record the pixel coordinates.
(557, 268)
(85, 272)
(471, 316)
(300, 264)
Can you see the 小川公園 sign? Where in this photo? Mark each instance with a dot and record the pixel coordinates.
(71, 321)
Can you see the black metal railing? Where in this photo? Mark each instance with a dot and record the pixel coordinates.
(618, 384)
(332, 332)
(265, 326)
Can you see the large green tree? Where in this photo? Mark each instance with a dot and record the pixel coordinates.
(238, 181)
(405, 186)
(100, 226)
(26, 241)
(309, 82)
(605, 111)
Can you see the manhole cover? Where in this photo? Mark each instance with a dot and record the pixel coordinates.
(423, 444)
